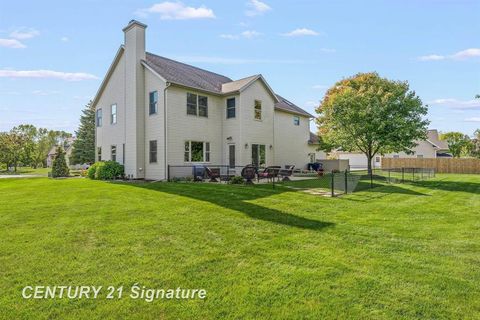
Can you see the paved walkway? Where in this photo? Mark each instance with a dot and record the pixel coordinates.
(11, 176)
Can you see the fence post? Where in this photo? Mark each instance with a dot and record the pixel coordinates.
(371, 179)
(389, 179)
(403, 174)
(346, 182)
(413, 174)
(333, 191)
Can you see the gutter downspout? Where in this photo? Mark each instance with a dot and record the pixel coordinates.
(167, 85)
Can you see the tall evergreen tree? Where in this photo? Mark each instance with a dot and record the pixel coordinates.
(84, 145)
(59, 167)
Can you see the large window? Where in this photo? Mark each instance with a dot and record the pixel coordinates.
(153, 102)
(296, 120)
(99, 117)
(258, 155)
(230, 108)
(113, 114)
(113, 153)
(153, 151)
(197, 105)
(99, 153)
(197, 151)
(258, 110)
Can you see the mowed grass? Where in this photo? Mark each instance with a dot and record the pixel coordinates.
(400, 251)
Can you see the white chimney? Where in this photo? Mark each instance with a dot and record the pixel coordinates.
(134, 99)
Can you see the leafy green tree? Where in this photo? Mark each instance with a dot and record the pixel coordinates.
(476, 144)
(372, 115)
(458, 143)
(27, 148)
(59, 167)
(11, 145)
(84, 145)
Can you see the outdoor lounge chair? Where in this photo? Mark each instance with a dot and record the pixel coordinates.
(270, 173)
(213, 173)
(248, 173)
(287, 172)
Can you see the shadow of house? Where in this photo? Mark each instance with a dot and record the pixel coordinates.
(237, 198)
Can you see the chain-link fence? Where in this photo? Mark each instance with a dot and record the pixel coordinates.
(328, 183)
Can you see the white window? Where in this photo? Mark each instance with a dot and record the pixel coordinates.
(296, 120)
(197, 151)
(153, 102)
(197, 105)
(113, 114)
(420, 156)
(113, 153)
(258, 110)
(396, 156)
(231, 108)
(258, 155)
(99, 117)
(377, 159)
(153, 151)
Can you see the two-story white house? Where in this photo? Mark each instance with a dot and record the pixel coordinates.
(152, 112)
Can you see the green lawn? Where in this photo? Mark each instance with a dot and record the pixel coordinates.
(28, 170)
(394, 252)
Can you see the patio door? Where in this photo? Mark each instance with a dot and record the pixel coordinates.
(258, 155)
(231, 155)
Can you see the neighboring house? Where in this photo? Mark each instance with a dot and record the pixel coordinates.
(152, 112)
(67, 147)
(432, 147)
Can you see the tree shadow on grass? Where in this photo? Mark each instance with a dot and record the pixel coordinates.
(379, 191)
(237, 198)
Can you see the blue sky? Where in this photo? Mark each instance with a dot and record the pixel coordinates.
(54, 54)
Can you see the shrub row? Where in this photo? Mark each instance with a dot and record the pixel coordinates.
(105, 170)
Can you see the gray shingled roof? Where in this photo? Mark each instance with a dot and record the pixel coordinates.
(184, 74)
(288, 106)
(313, 139)
(193, 77)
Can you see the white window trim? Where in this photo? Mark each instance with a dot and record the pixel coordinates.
(261, 110)
(111, 113)
(204, 152)
(226, 108)
(197, 106)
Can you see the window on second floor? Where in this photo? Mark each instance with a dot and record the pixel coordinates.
(231, 108)
(113, 114)
(258, 110)
(153, 102)
(99, 117)
(296, 120)
(197, 105)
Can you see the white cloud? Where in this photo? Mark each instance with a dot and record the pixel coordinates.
(473, 119)
(431, 57)
(301, 32)
(249, 34)
(460, 55)
(456, 103)
(64, 39)
(47, 74)
(320, 87)
(177, 11)
(12, 43)
(465, 54)
(256, 7)
(24, 33)
(45, 92)
(312, 104)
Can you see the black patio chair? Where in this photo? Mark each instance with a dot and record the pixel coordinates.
(287, 172)
(270, 173)
(248, 173)
(213, 173)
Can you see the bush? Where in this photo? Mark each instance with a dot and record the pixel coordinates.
(107, 170)
(91, 171)
(236, 180)
(59, 167)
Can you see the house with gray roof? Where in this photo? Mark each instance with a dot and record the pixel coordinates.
(153, 113)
